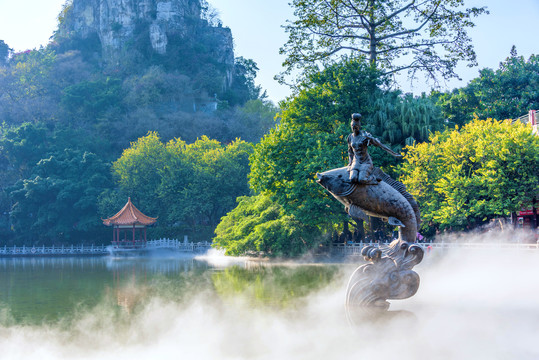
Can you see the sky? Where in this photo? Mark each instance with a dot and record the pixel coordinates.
(258, 34)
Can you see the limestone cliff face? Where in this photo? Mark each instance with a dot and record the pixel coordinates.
(116, 22)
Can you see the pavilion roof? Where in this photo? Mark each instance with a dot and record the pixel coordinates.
(129, 215)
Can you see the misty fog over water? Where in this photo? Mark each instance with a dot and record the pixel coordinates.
(471, 304)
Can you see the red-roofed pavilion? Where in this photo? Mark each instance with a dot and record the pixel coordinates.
(129, 218)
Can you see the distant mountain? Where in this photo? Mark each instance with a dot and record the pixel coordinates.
(120, 33)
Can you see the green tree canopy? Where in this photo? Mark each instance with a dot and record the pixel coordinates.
(23, 146)
(462, 178)
(430, 36)
(506, 93)
(138, 172)
(86, 101)
(198, 182)
(38, 166)
(403, 120)
(4, 52)
(260, 226)
(58, 202)
(212, 177)
(311, 138)
(27, 87)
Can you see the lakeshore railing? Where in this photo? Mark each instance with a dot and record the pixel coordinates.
(185, 246)
(54, 250)
(175, 244)
(482, 246)
(532, 117)
(355, 248)
(171, 244)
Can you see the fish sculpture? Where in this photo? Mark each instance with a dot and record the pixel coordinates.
(388, 273)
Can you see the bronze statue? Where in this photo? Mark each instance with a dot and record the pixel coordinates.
(359, 161)
(366, 190)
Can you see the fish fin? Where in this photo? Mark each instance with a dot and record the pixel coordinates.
(397, 185)
(356, 213)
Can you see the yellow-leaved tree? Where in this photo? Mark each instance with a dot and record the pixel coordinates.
(465, 177)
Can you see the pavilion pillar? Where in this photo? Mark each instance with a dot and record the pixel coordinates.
(133, 234)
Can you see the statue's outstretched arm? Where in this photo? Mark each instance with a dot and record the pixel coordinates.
(376, 142)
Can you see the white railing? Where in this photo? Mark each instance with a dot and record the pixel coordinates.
(350, 249)
(355, 249)
(528, 118)
(53, 250)
(481, 246)
(178, 245)
(531, 117)
(173, 244)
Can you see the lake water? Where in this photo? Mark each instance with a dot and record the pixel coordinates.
(51, 290)
(469, 305)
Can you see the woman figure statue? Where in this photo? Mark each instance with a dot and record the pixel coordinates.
(360, 165)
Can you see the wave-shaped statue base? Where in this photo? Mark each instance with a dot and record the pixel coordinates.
(387, 276)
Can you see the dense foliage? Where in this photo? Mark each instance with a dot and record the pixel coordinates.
(311, 138)
(58, 202)
(462, 178)
(404, 120)
(260, 226)
(45, 86)
(506, 93)
(4, 52)
(50, 185)
(188, 186)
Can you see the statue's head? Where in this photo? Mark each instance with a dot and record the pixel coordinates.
(337, 182)
(356, 122)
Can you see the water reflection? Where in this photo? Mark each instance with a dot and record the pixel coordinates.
(45, 262)
(36, 290)
(279, 286)
(156, 265)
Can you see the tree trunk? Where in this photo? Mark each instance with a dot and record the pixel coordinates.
(372, 35)
(346, 234)
(359, 232)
